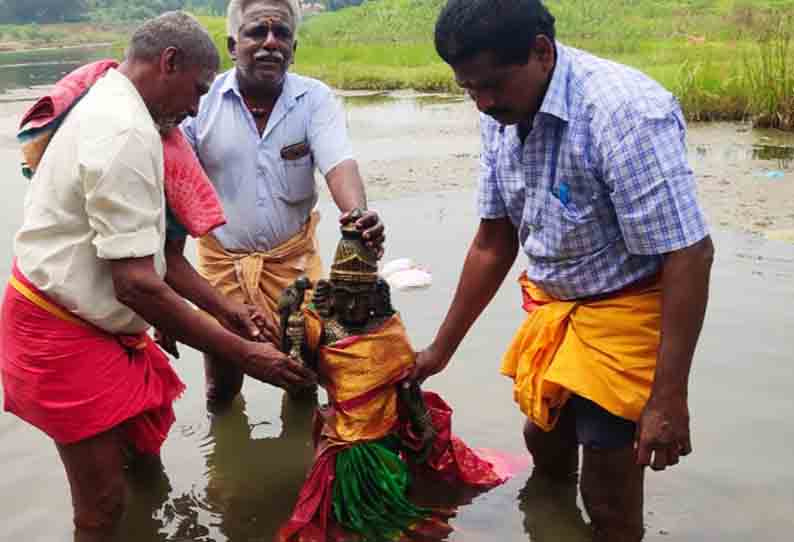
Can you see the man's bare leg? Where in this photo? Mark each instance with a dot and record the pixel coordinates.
(555, 454)
(612, 491)
(95, 470)
(223, 383)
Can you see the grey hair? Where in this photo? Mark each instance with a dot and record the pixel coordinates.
(234, 13)
(174, 29)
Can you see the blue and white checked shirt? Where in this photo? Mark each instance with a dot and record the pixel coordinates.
(267, 199)
(601, 187)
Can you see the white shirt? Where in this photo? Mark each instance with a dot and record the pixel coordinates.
(97, 195)
(266, 192)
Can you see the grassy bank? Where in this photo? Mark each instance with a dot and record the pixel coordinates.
(22, 37)
(726, 59)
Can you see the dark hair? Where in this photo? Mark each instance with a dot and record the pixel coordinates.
(507, 28)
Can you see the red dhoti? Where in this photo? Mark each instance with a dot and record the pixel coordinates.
(73, 380)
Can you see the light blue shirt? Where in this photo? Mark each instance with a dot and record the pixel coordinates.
(267, 199)
(601, 188)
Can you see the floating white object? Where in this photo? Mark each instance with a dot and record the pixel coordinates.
(411, 278)
(404, 274)
(401, 264)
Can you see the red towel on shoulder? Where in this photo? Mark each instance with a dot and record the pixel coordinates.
(188, 190)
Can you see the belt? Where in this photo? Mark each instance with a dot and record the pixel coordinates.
(133, 342)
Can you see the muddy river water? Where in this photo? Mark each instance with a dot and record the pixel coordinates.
(235, 477)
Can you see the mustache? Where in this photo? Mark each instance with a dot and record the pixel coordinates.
(269, 57)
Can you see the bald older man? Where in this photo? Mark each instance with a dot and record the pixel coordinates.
(260, 133)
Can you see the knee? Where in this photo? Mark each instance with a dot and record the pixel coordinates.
(533, 436)
(104, 510)
(555, 454)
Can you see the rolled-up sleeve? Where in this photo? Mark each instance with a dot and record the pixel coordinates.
(124, 195)
(652, 186)
(327, 131)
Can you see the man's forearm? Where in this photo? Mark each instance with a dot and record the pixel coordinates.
(685, 288)
(488, 261)
(185, 280)
(138, 287)
(347, 187)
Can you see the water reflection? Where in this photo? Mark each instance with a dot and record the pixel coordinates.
(550, 511)
(391, 98)
(784, 156)
(253, 483)
(363, 100)
(149, 492)
(439, 99)
(778, 157)
(30, 68)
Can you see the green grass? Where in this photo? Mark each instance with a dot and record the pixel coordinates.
(15, 37)
(724, 59)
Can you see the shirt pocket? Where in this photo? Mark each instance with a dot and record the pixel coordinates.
(570, 228)
(298, 179)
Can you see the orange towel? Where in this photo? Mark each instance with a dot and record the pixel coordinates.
(603, 350)
(259, 278)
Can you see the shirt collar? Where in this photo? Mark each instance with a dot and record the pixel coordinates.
(294, 87)
(122, 80)
(555, 103)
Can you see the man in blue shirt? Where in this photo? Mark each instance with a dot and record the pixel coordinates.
(260, 133)
(584, 168)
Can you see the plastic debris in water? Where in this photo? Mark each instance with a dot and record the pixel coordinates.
(404, 274)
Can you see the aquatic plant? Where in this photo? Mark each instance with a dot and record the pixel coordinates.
(770, 72)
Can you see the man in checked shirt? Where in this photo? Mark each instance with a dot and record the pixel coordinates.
(584, 168)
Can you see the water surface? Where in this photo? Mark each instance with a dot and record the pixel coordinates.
(235, 477)
(26, 69)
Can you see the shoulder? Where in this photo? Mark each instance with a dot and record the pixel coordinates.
(111, 115)
(311, 91)
(223, 83)
(605, 93)
(221, 80)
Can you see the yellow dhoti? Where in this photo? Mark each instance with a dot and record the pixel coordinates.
(603, 350)
(360, 374)
(259, 278)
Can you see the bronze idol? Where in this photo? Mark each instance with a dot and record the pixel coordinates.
(379, 432)
(354, 301)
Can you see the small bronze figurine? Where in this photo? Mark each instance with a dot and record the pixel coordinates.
(353, 302)
(290, 304)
